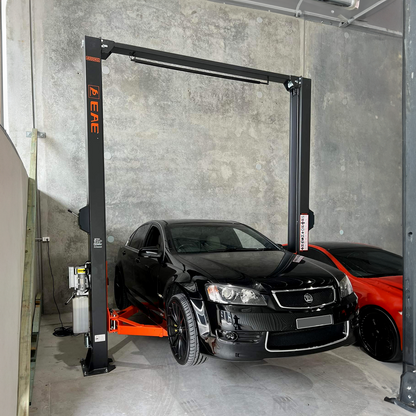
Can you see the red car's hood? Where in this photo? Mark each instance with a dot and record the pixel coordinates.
(387, 282)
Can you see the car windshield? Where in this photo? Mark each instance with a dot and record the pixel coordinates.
(195, 238)
(369, 262)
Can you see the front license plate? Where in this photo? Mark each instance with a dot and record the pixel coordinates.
(302, 323)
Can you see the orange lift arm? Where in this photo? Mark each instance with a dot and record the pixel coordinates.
(119, 323)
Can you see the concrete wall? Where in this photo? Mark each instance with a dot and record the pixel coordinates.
(13, 208)
(356, 183)
(190, 146)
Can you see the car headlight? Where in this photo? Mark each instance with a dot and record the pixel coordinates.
(345, 286)
(234, 295)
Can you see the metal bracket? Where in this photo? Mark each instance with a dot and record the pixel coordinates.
(106, 48)
(397, 402)
(407, 396)
(41, 134)
(293, 85)
(344, 22)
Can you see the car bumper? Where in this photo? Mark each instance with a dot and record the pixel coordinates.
(246, 334)
(250, 351)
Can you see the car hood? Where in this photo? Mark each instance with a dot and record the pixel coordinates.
(272, 269)
(387, 282)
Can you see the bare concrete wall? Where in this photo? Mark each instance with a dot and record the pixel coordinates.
(13, 208)
(191, 146)
(17, 69)
(356, 183)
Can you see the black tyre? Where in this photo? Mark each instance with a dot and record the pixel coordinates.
(379, 335)
(120, 294)
(183, 331)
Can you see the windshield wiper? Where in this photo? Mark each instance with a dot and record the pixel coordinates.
(248, 249)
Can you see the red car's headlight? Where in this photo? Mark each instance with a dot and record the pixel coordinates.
(345, 286)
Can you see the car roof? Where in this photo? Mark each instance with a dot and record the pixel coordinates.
(198, 221)
(333, 245)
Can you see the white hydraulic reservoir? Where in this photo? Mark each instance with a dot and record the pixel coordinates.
(79, 280)
(80, 315)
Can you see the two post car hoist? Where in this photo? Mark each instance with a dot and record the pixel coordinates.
(91, 313)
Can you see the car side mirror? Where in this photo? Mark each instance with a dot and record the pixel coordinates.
(150, 253)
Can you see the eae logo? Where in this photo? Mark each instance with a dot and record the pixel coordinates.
(94, 95)
(94, 91)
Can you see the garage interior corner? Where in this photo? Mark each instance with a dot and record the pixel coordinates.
(207, 207)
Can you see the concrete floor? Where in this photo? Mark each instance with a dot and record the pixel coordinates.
(148, 381)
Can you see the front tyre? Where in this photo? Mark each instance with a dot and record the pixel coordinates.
(183, 331)
(379, 335)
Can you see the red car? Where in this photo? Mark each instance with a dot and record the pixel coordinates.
(377, 278)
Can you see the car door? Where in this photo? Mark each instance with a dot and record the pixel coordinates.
(147, 269)
(130, 255)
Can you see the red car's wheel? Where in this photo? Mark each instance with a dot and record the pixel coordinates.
(379, 335)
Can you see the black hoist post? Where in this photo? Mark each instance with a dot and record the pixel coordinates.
(300, 217)
(97, 361)
(407, 394)
(92, 217)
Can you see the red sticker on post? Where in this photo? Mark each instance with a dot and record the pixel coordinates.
(304, 232)
(92, 59)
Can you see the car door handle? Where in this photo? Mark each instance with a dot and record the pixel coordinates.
(124, 252)
(137, 260)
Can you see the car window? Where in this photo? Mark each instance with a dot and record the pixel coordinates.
(195, 238)
(369, 262)
(154, 238)
(138, 237)
(315, 254)
(247, 241)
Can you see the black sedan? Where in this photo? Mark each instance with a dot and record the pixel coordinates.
(227, 291)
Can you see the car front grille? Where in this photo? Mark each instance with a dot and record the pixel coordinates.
(307, 339)
(305, 298)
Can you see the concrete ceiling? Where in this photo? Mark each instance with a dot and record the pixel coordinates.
(374, 15)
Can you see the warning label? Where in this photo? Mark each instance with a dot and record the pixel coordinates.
(304, 232)
(98, 243)
(99, 338)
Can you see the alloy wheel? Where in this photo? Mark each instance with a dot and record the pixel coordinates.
(379, 335)
(177, 331)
